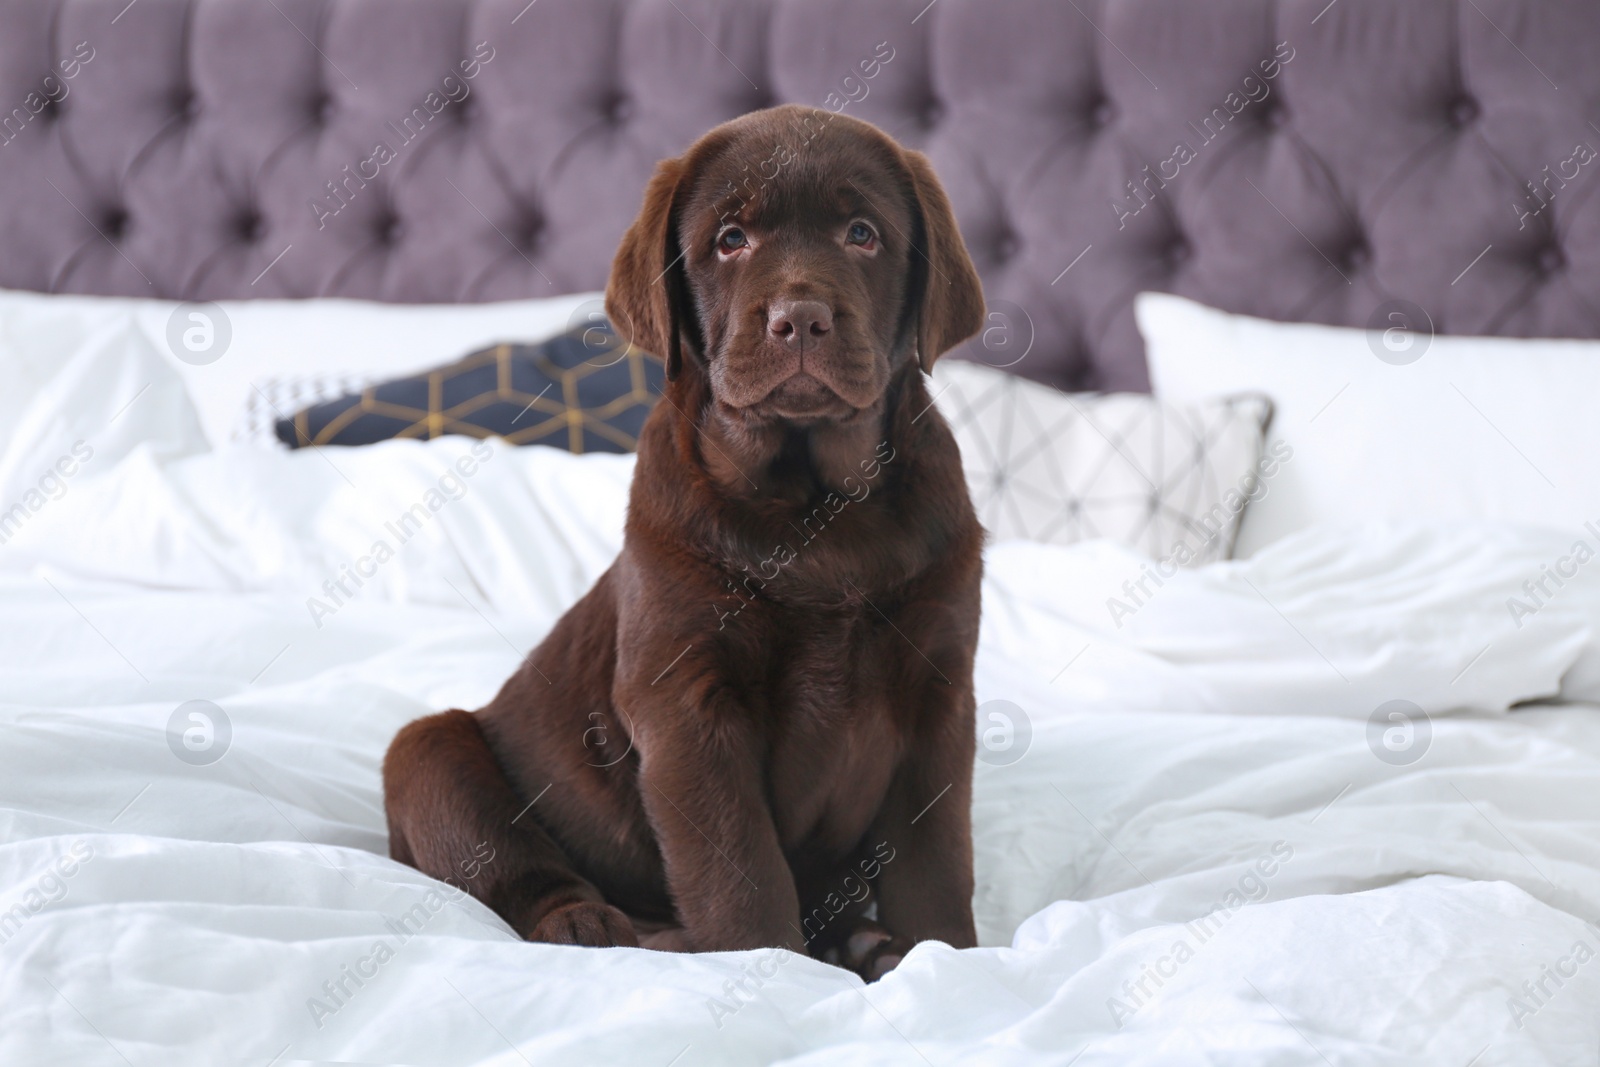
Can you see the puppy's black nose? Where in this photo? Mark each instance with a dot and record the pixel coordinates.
(794, 321)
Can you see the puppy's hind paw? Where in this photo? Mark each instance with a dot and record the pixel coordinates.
(586, 923)
(870, 950)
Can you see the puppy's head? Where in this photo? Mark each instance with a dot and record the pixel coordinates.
(796, 258)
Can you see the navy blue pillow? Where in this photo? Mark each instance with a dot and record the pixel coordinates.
(584, 390)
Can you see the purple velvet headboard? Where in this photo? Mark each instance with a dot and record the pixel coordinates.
(1305, 160)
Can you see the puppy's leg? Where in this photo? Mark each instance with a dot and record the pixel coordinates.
(925, 824)
(702, 789)
(453, 815)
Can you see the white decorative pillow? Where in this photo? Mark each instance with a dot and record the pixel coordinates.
(1043, 465)
(1393, 423)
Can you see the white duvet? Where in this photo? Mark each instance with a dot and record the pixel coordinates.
(1269, 812)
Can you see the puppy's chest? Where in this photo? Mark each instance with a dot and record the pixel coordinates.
(838, 733)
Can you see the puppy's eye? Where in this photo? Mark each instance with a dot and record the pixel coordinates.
(860, 234)
(731, 240)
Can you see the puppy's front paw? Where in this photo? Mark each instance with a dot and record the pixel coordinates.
(586, 923)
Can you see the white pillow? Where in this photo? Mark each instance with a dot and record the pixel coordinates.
(1394, 426)
(232, 346)
(1059, 468)
(78, 394)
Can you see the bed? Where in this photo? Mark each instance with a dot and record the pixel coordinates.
(1335, 801)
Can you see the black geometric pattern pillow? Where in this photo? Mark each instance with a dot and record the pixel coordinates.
(584, 390)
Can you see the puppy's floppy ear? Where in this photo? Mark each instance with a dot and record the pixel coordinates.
(646, 295)
(950, 304)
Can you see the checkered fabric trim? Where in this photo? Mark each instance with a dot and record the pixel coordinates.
(272, 399)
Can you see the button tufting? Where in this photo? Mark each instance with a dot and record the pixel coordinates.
(1178, 253)
(932, 112)
(53, 109)
(1276, 116)
(528, 233)
(322, 108)
(186, 104)
(1101, 112)
(1006, 247)
(1463, 111)
(1357, 256)
(114, 222)
(250, 226)
(619, 108)
(1550, 259)
(389, 229)
(467, 112)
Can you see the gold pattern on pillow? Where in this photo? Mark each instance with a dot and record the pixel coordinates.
(583, 391)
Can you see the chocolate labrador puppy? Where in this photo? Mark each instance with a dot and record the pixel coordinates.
(757, 729)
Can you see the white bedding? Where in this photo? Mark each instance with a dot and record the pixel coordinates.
(1200, 859)
(243, 343)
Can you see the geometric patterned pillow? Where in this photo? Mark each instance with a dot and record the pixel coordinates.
(584, 390)
(1043, 465)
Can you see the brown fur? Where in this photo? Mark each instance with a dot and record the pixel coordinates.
(760, 719)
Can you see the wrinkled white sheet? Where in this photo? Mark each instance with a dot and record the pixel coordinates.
(1199, 859)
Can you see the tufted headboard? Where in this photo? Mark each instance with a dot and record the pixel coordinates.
(1301, 161)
